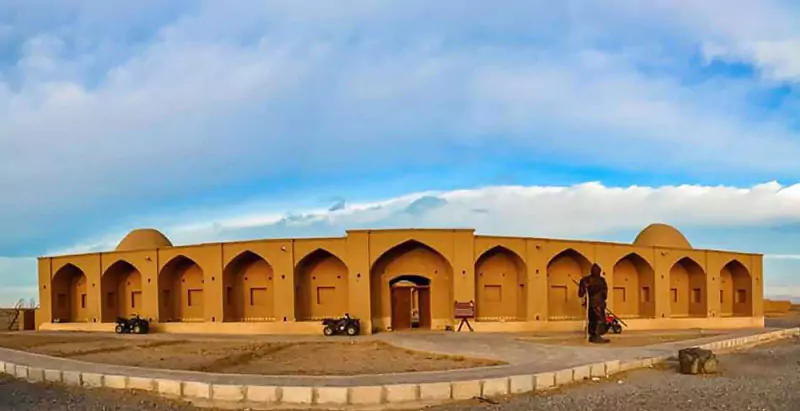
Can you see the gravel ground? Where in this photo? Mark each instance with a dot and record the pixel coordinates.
(763, 378)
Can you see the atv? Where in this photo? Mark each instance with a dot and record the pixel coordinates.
(345, 325)
(135, 325)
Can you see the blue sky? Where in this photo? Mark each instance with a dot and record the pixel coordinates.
(247, 119)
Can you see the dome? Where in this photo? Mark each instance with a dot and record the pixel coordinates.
(143, 239)
(661, 235)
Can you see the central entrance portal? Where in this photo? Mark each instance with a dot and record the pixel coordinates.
(411, 302)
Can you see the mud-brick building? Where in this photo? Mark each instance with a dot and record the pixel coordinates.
(398, 279)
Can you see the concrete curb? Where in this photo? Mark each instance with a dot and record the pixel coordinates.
(377, 397)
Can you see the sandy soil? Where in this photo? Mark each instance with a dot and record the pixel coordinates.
(242, 357)
(626, 339)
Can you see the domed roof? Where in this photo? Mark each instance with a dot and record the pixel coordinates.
(661, 235)
(143, 239)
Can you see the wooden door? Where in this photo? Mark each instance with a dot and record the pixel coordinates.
(401, 308)
(424, 307)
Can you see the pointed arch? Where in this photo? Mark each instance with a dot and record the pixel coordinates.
(248, 292)
(69, 296)
(181, 291)
(735, 290)
(432, 304)
(321, 286)
(634, 288)
(688, 291)
(121, 291)
(564, 270)
(500, 285)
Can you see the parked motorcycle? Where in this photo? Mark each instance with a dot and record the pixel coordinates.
(135, 325)
(345, 325)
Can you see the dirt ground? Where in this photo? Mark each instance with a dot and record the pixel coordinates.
(625, 339)
(241, 357)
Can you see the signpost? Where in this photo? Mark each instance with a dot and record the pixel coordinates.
(465, 311)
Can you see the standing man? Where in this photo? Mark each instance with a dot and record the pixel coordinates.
(595, 285)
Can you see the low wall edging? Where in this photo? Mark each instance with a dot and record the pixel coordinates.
(363, 397)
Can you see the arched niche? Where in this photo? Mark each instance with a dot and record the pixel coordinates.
(70, 298)
(564, 271)
(688, 294)
(634, 290)
(411, 259)
(321, 287)
(181, 291)
(121, 291)
(736, 290)
(500, 286)
(248, 291)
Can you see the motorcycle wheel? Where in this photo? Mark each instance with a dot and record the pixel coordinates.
(351, 330)
(616, 328)
(137, 329)
(327, 330)
(118, 329)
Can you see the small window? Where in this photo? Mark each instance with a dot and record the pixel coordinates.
(136, 299)
(674, 292)
(195, 298)
(721, 296)
(741, 296)
(620, 295)
(83, 300)
(493, 293)
(258, 296)
(325, 295)
(645, 294)
(697, 296)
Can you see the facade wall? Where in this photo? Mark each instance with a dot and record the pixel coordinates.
(288, 285)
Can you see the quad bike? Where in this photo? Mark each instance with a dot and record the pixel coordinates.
(613, 322)
(345, 325)
(135, 325)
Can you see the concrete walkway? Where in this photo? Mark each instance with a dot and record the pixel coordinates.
(523, 357)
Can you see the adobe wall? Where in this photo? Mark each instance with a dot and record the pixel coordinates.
(288, 285)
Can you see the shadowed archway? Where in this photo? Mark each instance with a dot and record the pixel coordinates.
(70, 299)
(121, 291)
(634, 288)
(248, 292)
(688, 292)
(181, 291)
(321, 289)
(563, 271)
(735, 294)
(500, 286)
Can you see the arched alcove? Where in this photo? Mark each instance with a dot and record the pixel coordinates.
(500, 286)
(121, 291)
(688, 292)
(433, 287)
(321, 287)
(735, 292)
(181, 291)
(634, 290)
(563, 272)
(70, 298)
(248, 292)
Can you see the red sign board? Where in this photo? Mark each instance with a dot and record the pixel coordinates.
(465, 309)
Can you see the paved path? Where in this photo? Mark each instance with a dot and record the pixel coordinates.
(523, 358)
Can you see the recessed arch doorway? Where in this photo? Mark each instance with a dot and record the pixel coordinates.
(411, 302)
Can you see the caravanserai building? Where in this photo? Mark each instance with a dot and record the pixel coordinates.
(398, 279)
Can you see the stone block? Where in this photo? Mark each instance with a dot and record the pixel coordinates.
(597, 370)
(71, 377)
(139, 383)
(464, 390)
(232, 393)
(495, 386)
(401, 392)
(52, 375)
(92, 380)
(332, 395)
(35, 374)
(10, 368)
(169, 387)
(435, 391)
(519, 384)
(544, 381)
(2, 367)
(612, 367)
(581, 373)
(21, 371)
(118, 382)
(297, 395)
(563, 377)
(366, 395)
(257, 393)
(195, 389)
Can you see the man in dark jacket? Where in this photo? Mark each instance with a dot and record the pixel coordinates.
(595, 285)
